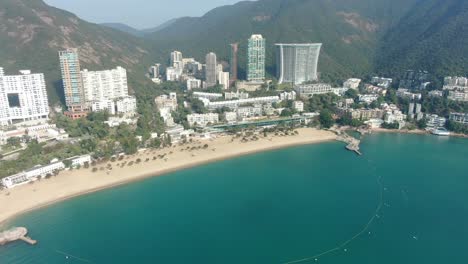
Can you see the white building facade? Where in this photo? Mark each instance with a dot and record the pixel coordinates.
(105, 85)
(203, 119)
(309, 90)
(31, 175)
(22, 97)
(223, 79)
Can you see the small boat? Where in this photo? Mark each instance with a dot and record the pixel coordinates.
(441, 132)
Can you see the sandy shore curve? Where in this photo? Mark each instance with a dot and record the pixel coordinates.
(69, 184)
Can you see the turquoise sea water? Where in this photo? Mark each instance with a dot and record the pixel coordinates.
(272, 207)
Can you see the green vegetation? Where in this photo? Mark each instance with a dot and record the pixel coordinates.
(430, 37)
(457, 127)
(38, 153)
(326, 118)
(391, 125)
(39, 31)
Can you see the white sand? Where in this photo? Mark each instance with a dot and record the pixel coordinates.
(70, 184)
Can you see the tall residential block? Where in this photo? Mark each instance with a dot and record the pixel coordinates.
(223, 79)
(155, 70)
(105, 85)
(23, 97)
(297, 63)
(176, 60)
(211, 70)
(234, 62)
(72, 82)
(256, 59)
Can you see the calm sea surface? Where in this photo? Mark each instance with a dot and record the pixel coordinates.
(273, 207)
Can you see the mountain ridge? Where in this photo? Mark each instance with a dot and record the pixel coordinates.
(32, 33)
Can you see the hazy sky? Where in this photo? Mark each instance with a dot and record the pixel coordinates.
(137, 13)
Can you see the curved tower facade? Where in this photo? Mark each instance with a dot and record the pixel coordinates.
(297, 63)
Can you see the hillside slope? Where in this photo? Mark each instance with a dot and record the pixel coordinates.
(434, 37)
(124, 28)
(350, 30)
(32, 33)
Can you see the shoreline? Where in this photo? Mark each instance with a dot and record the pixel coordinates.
(413, 132)
(71, 184)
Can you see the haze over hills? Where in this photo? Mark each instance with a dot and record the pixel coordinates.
(32, 33)
(360, 37)
(124, 28)
(136, 32)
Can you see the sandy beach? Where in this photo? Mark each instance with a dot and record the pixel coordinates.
(69, 184)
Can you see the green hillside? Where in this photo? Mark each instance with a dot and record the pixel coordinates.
(359, 37)
(32, 33)
(433, 37)
(349, 30)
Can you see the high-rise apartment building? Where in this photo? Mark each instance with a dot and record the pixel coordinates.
(72, 83)
(105, 85)
(23, 97)
(297, 63)
(155, 70)
(234, 62)
(211, 70)
(256, 59)
(176, 60)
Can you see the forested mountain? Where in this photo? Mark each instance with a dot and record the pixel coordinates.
(124, 28)
(359, 37)
(433, 37)
(32, 33)
(348, 29)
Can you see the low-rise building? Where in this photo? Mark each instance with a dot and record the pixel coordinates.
(193, 83)
(287, 96)
(366, 114)
(298, 106)
(455, 81)
(459, 118)
(340, 91)
(368, 98)
(231, 117)
(104, 105)
(32, 174)
(395, 116)
(233, 104)
(249, 111)
(436, 93)
(167, 101)
(209, 96)
(352, 83)
(172, 74)
(382, 82)
(166, 114)
(126, 105)
(458, 96)
(202, 119)
(117, 121)
(435, 121)
(375, 89)
(80, 161)
(374, 122)
(235, 95)
(248, 86)
(404, 93)
(309, 90)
